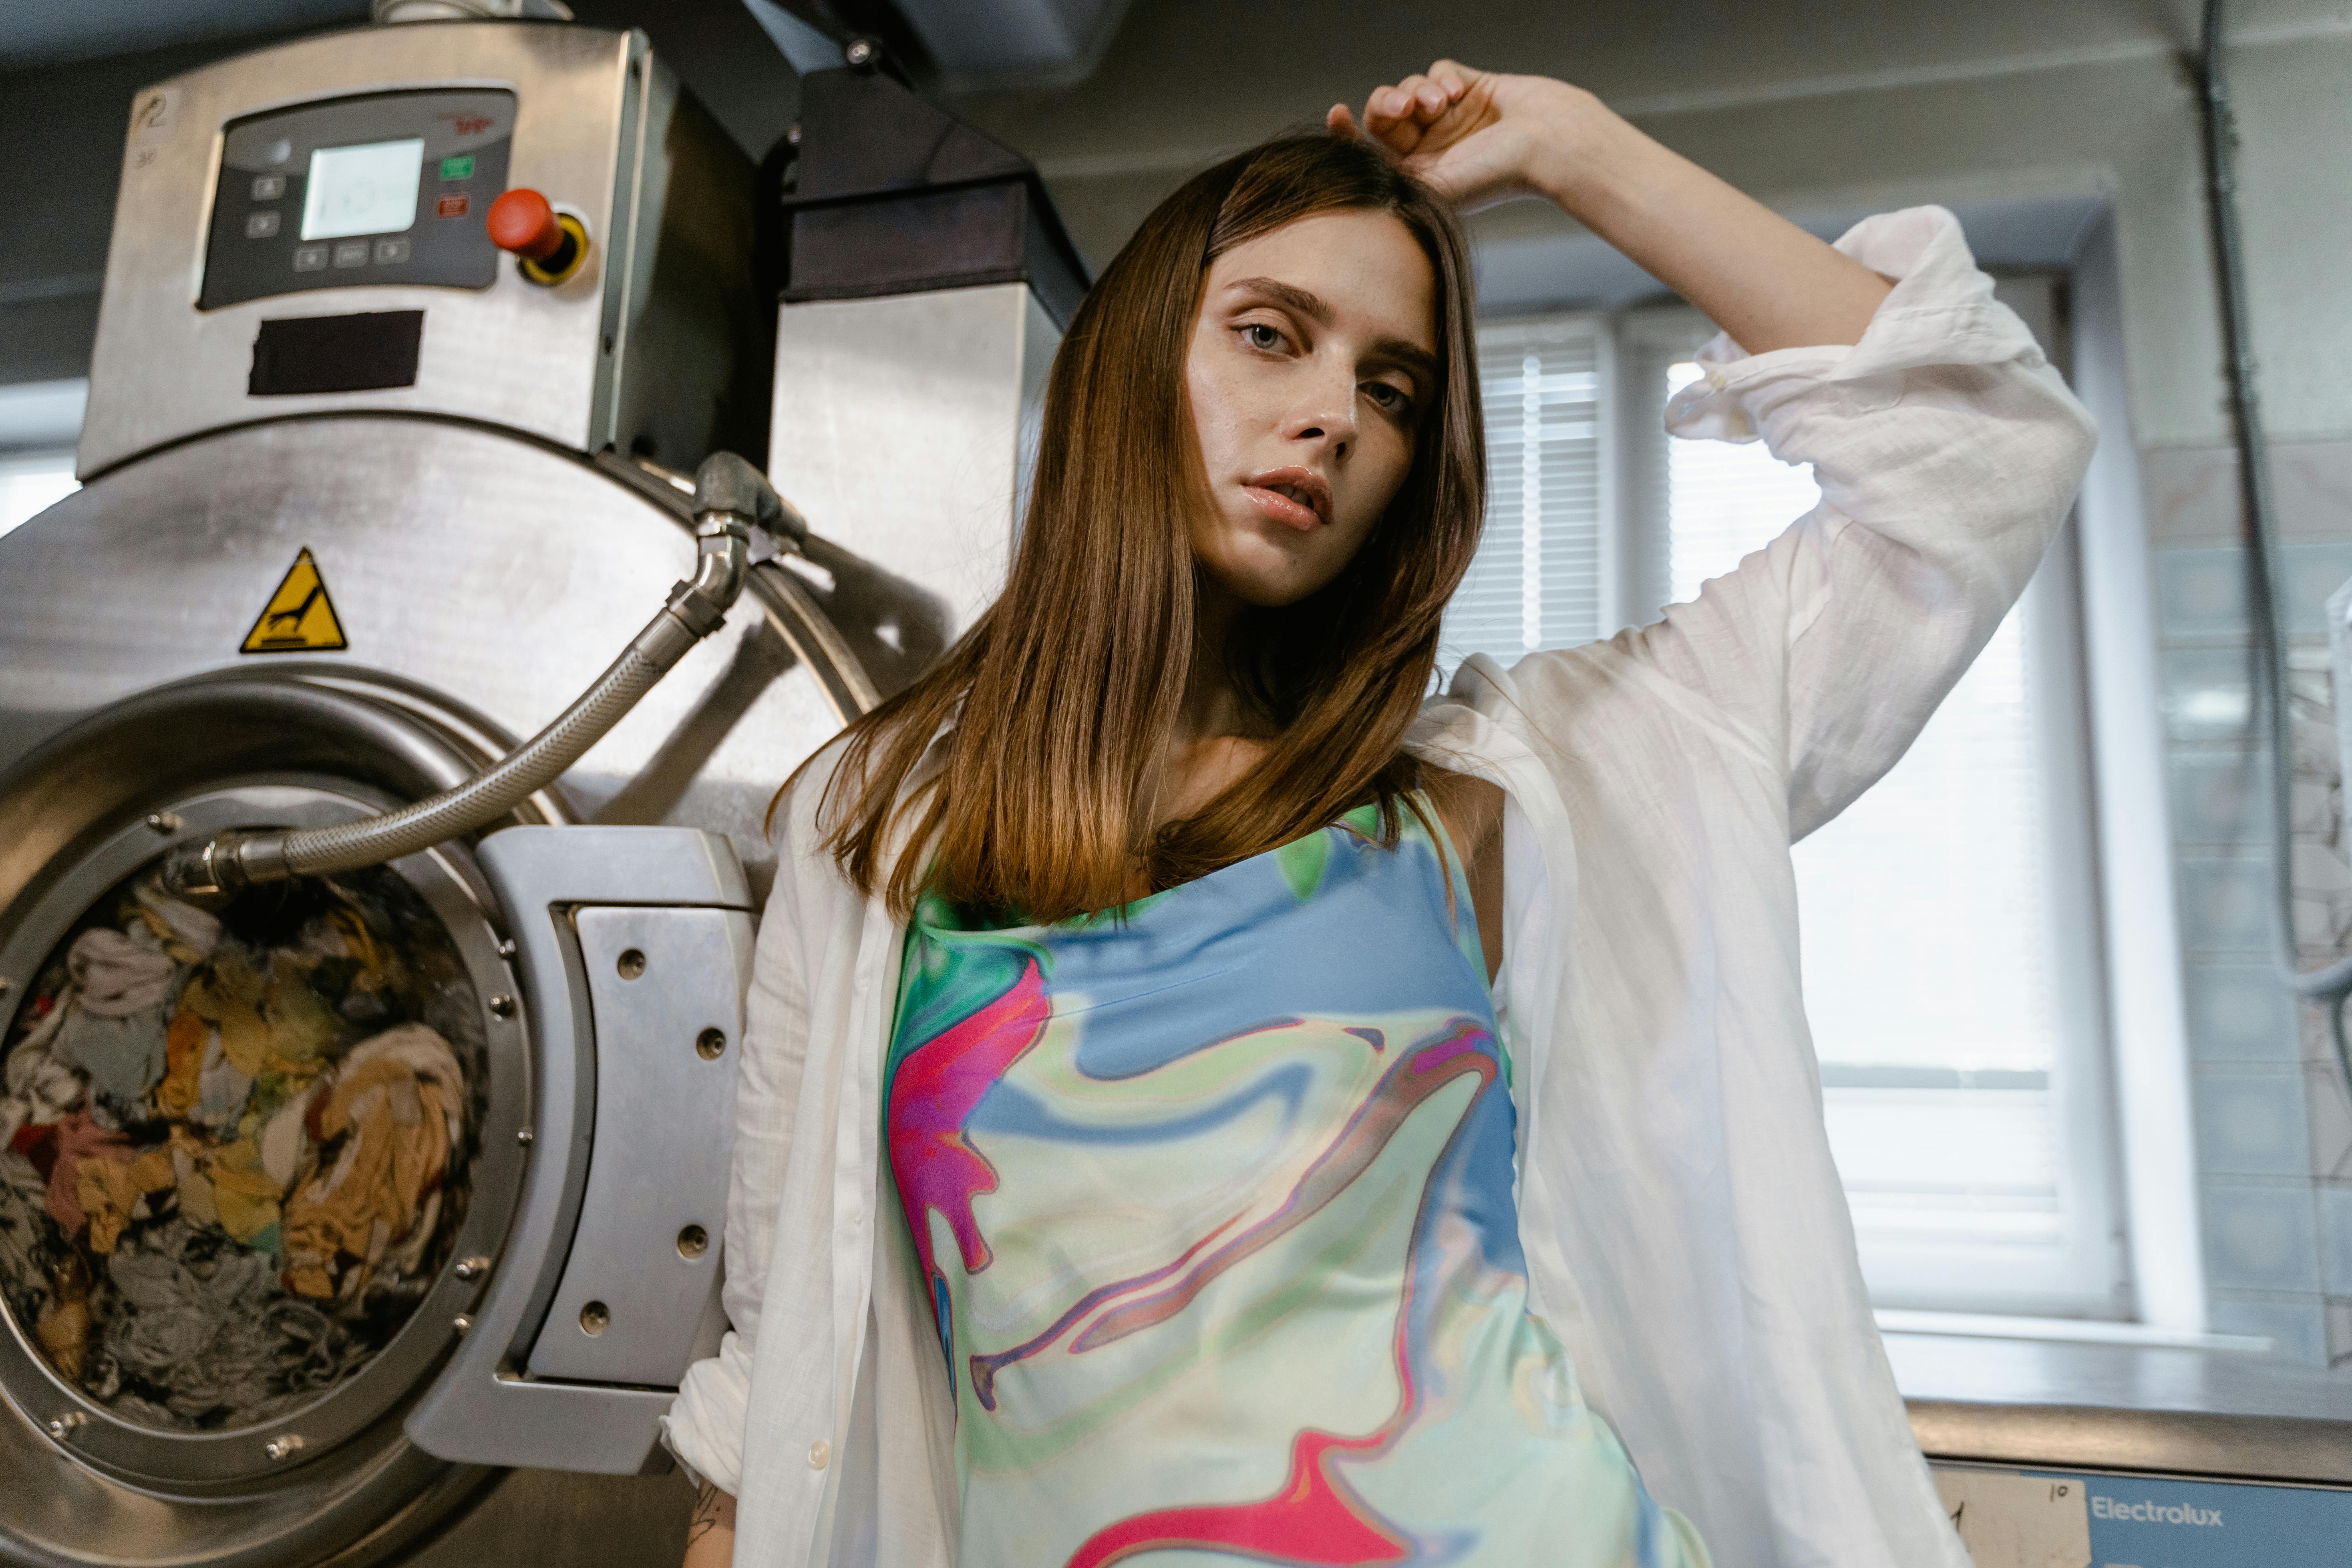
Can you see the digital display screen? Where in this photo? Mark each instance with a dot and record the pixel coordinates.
(365, 189)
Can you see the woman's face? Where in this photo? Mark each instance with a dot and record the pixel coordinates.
(1313, 361)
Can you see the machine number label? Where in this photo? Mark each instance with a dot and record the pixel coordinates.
(153, 115)
(299, 617)
(2010, 1520)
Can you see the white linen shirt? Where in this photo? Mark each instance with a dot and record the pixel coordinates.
(1683, 1227)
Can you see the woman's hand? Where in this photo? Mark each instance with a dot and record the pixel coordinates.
(1478, 137)
(1482, 136)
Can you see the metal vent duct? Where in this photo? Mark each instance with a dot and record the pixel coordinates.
(955, 44)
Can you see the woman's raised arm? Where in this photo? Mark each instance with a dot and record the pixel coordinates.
(1946, 447)
(1484, 136)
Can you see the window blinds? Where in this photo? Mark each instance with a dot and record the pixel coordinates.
(1950, 960)
(1724, 501)
(1925, 924)
(1536, 580)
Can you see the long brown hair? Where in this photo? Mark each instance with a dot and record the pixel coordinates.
(1063, 695)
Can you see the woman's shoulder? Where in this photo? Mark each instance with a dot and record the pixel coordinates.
(1470, 807)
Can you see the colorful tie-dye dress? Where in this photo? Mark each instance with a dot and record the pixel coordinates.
(1214, 1205)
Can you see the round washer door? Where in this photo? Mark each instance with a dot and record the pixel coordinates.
(247, 1148)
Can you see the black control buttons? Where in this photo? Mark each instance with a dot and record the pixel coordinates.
(353, 253)
(390, 177)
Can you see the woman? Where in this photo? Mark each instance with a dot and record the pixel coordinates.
(1132, 1158)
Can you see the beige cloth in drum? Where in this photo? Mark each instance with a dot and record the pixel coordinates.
(400, 1098)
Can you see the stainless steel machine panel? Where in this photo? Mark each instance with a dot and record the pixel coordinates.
(854, 377)
(490, 1407)
(665, 987)
(653, 345)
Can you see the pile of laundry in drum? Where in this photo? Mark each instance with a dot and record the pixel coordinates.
(231, 1147)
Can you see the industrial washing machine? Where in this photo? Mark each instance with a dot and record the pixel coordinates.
(373, 1213)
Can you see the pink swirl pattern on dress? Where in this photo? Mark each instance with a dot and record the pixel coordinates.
(1314, 1521)
(932, 1096)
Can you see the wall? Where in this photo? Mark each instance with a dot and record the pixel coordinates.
(1846, 103)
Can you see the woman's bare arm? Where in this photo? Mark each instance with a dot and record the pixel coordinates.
(1482, 136)
(1472, 810)
(710, 1534)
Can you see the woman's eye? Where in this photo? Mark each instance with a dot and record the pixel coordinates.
(1258, 335)
(1390, 399)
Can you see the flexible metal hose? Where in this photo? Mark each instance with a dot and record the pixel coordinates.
(730, 497)
(316, 851)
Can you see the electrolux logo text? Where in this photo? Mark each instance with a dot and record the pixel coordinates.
(2155, 1512)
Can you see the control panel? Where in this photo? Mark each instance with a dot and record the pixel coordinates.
(392, 187)
(367, 163)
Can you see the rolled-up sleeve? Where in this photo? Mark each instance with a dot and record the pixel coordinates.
(1947, 451)
(706, 1424)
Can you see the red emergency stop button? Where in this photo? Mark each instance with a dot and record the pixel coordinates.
(550, 245)
(522, 221)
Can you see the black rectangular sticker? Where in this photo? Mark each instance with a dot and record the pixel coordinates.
(365, 353)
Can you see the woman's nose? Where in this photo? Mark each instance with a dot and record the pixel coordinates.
(1327, 419)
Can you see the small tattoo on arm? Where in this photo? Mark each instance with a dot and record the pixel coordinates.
(706, 1513)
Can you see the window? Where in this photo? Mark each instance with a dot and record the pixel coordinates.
(1947, 919)
(32, 482)
(1538, 579)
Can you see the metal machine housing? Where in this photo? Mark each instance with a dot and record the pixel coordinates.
(658, 347)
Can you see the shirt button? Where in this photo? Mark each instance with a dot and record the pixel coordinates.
(820, 1454)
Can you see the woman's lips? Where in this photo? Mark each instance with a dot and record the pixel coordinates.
(1299, 497)
(1281, 508)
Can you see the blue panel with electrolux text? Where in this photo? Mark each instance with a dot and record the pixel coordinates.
(2017, 1518)
(2214, 1524)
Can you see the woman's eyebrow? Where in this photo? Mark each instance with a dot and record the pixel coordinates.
(1405, 356)
(1304, 301)
(1409, 357)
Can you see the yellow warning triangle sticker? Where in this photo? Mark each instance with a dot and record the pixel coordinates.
(299, 617)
